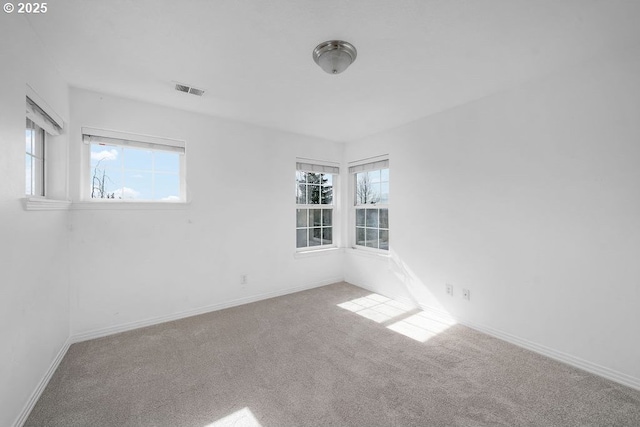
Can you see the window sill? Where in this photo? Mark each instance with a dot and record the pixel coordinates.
(155, 206)
(42, 204)
(317, 252)
(370, 253)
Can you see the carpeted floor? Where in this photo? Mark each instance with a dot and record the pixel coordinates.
(328, 356)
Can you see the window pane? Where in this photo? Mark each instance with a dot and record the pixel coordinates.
(137, 185)
(327, 195)
(137, 159)
(372, 237)
(105, 156)
(313, 194)
(372, 218)
(327, 217)
(384, 239)
(28, 175)
(314, 178)
(315, 236)
(384, 192)
(301, 218)
(166, 187)
(360, 215)
(38, 142)
(360, 236)
(301, 176)
(384, 218)
(367, 192)
(327, 236)
(327, 179)
(384, 175)
(315, 217)
(29, 137)
(374, 176)
(301, 194)
(106, 184)
(301, 238)
(38, 177)
(166, 161)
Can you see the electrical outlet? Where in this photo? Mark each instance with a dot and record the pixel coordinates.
(244, 279)
(449, 290)
(466, 294)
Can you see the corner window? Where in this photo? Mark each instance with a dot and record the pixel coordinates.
(314, 205)
(371, 205)
(125, 167)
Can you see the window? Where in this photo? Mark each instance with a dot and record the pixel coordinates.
(314, 205)
(371, 204)
(34, 160)
(39, 124)
(129, 167)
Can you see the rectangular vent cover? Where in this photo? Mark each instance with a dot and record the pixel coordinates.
(188, 89)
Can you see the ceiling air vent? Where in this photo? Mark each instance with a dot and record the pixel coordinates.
(188, 89)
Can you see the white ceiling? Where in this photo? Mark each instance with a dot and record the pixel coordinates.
(253, 57)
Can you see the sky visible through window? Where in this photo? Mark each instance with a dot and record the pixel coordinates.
(134, 174)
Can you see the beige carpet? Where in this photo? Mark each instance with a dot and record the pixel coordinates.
(327, 356)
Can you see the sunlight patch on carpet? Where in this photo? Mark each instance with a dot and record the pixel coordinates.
(398, 317)
(420, 327)
(241, 418)
(376, 307)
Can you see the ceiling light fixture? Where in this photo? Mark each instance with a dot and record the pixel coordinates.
(334, 56)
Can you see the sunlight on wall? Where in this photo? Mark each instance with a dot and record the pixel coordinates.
(412, 284)
(241, 418)
(398, 317)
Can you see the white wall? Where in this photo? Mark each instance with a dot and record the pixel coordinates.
(34, 297)
(530, 199)
(133, 265)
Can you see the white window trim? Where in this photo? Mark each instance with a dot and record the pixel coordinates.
(328, 250)
(87, 203)
(333, 228)
(46, 117)
(34, 203)
(368, 252)
(129, 205)
(371, 163)
(326, 167)
(54, 123)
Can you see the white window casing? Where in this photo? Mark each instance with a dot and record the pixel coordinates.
(324, 210)
(102, 136)
(125, 140)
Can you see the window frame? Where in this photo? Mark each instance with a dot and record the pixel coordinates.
(325, 169)
(129, 140)
(54, 182)
(369, 165)
(38, 189)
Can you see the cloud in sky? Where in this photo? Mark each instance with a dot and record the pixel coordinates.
(171, 199)
(104, 155)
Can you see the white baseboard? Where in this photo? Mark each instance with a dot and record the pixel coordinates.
(103, 332)
(574, 361)
(28, 407)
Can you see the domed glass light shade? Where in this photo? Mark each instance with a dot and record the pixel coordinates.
(334, 56)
